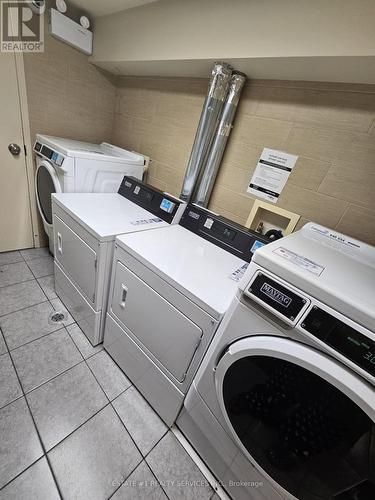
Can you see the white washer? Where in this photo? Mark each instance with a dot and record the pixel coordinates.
(67, 166)
(283, 405)
(85, 226)
(179, 283)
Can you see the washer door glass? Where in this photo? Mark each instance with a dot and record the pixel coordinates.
(306, 434)
(47, 183)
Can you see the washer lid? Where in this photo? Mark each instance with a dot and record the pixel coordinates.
(335, 269)
(197, 268)
(305, 420)
(46, 183)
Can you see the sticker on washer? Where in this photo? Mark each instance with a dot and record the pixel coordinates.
(141, 222)
(300, 261)
(237, 275)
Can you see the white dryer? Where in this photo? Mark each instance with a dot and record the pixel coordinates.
(283, 405)
(67, 166)
(85, 226)
(170, 289)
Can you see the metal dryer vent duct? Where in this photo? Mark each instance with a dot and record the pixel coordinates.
(213, 105)
(207, 181)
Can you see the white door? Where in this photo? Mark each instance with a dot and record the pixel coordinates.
(15, 215)
(305, 420)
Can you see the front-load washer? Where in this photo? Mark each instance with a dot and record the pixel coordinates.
(283, 404)
(170, 289)
(85, 226)
(67, 166)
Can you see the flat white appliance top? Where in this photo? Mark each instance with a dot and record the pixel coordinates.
(106, 215)
(197, 268)
(333, 268)
(79, 149)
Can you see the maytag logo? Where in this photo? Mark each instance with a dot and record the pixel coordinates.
(276, 295)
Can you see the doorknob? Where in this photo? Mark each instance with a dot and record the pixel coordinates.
(14, 149)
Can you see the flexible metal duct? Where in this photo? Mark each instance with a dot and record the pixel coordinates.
(213, 105)
(206, 184)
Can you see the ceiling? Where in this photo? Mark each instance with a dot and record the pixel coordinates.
(98, 8)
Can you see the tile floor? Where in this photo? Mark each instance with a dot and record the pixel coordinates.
(71, 424)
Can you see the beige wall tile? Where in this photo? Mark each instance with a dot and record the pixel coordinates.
(228, 215)
(313, 206)
(242, 154)
(262, 131)
(351, 182)
(231, 201)
(78, 100)
(157, 183)
(232, 177)
(324, 144)
(340, 110)
(325, 124)
(331, 128)
(309, 173)
(359, 222)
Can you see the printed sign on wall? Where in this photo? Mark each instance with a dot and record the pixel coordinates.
(271, 174)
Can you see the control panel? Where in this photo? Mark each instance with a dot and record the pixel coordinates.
(163, 205)
(222, 232)
(358, 348)
(50, 154)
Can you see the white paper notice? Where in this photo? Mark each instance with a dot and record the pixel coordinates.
(271, 174)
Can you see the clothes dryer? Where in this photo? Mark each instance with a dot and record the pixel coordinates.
(85, 226)
(170, 289)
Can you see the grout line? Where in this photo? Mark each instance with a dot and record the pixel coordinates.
(24, 308)
(27, 468)
(77, 428)
(343, 215)
(38, 338)
(126, 429)
(36, 430)
(17, 282)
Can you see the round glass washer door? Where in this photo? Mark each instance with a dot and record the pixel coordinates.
(300, 417)
(46, 183)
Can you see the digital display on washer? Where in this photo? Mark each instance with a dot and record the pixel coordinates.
(47, 152)
(341, 337)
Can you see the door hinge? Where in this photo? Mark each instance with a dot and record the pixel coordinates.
(24, 147)
(96, 264)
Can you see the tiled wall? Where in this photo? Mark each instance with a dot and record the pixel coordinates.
(330, 126)
(67, 96)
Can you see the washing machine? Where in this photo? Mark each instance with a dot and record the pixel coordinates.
(85, 226)
(170, 289)
(283, 404)
(64, 165)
